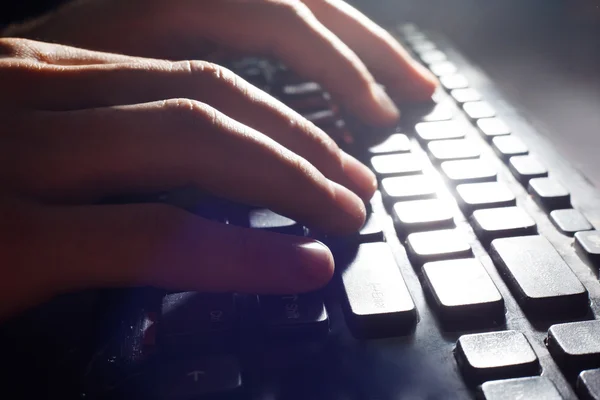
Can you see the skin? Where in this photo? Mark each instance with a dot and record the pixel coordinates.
(124, 104)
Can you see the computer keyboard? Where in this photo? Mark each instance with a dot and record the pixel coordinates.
(475, 275)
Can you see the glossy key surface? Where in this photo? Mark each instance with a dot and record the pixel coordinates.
(525, 168)
(456, 149)
(463, 293)
(422, 215)
(539, 278)
(494, 223)
(529, 388)
(575, 346)
(476, 196)
(549, 194)
(468, 171)
(405, 188)
(570, 221)
(427, 131)
(437, 245)
(378, 303)
(509, 146)
(492, 127)
(588, 385)
(495, 355)
(396, 164)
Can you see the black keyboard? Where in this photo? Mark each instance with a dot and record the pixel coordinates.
(475, 275)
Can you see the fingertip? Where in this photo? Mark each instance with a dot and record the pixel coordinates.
(362, 180)
(352, 213)
(315, 265)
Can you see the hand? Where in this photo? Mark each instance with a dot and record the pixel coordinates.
(326, 41)
(80, 125)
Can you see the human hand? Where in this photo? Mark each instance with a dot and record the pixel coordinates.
(79, 126)
(326, 41)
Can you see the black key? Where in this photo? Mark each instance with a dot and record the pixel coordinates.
(530, 388)
(465, 95)
(495, 355)
(396, 164)
(589, 243)
(456, 149)
(297, 315)
(588, 385)
(191, 379)
(378, 303)
(406, 188)
(371, 231)
(525, 168)
(190, 320)
(478, 109)
(456, 81)
(476, 196)
(396, 143)
(322, 118)
(442, 68)
(463, 292)
(492, 127)
(549, 194)
(427, 131)
(570, 221)
(575, 346)
(539, 278)
(468, 171)
(273, 222)
(447, 244)
(304, 97)
(509, 146)
(432, 56)
(422, 215)
(497, 223)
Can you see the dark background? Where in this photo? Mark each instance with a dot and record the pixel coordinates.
(543, 54)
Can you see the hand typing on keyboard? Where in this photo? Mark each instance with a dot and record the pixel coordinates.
(83, 125)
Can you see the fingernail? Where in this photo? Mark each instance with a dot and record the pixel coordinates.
(363, 180)
(315, 262)
(385, 102)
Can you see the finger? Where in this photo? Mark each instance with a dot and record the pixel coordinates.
(290, 32)
(384, 56)
(49, 53)
(165, 145)
(107, 85)
(162, 246)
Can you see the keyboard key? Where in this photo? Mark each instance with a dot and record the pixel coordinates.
(463, 292)
(447, 244)
(298, 315)
(465, 95)
(456, 81)
(497, 223)
(207, 376)
(589, 243)
(476, 196)
(478, 109)
(190, 320)
(588, 385)
(495, 355)
(569, 221)
(492, 127)
(268, 220)
(509, 146)
(468, 171)
(396, 164)
(423, 46)
(432, 56)
(378, 303)
(525, 168)
(530, 388)
(427, 131)
(575, 346)
(442, 68)
(441, 112)
(422, 215)
(396, 143)
(404, 188)
(456, 149)
(541, 281)
(371, 230)
(549, 194)
(322, 118)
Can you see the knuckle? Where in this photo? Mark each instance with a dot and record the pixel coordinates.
(188, 112)
(290, 10)
(12, 47)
